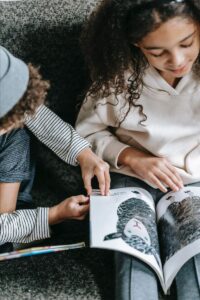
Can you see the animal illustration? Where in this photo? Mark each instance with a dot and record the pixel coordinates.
(136, 226)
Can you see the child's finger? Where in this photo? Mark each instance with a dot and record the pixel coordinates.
(83, 209)
(107, 182)
(84, 200)
(101, 179)
(87, 183)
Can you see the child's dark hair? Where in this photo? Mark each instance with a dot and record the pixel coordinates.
(34, 96)
(108, 42)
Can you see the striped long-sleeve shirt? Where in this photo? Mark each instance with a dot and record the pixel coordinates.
(56, 134)
(24, 226)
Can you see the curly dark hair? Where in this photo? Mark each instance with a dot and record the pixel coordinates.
(34, 96)
(108, 40)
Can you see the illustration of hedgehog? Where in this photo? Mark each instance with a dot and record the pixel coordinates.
(136, 226)
(180, 224)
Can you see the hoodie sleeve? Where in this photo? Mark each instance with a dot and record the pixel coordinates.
(94, 122)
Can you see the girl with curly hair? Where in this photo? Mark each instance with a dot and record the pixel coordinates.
(141, 113)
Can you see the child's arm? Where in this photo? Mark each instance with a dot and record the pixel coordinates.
(56, 134)
(24, 226)
(75, 207)
(8, 196)
(64, 141)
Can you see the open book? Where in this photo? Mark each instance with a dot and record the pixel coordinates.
(165, 236)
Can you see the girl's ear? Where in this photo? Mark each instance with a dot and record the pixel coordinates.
(136, 44)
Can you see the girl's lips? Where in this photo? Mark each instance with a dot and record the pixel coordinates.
(179, 70)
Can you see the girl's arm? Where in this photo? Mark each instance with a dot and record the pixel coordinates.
(64, 141)
(93, 123)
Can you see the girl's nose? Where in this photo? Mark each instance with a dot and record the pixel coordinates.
(177, 60)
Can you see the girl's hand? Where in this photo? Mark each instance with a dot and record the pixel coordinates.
(91, 165)
(75, 207)
(158, 171)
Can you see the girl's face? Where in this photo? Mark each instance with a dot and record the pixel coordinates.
(172, 48)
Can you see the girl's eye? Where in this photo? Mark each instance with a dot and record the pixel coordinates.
(183, 46)
(157, 55)
(187, 46)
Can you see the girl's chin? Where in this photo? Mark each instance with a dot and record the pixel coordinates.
(182, 71)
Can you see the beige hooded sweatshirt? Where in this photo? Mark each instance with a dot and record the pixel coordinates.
(172, 128)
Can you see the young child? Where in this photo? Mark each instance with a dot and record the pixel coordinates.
(141, 113)
(22, 90)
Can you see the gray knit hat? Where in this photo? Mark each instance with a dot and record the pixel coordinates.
(14, 77)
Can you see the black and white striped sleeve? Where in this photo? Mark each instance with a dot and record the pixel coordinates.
(24, 226)
(56, 134)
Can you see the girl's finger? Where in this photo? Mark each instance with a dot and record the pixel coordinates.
(155, 181)
(176, 174)
(167, 180)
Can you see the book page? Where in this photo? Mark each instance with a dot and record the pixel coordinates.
(125, 221)
(178, 217)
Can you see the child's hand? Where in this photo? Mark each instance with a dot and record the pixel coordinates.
(75, 207)
(92, 165)
(157, 171)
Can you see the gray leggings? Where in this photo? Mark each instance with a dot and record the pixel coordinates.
(134, 279)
